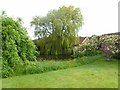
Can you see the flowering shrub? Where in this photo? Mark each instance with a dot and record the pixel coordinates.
(110, 46)
(89, 48)
(107, 44)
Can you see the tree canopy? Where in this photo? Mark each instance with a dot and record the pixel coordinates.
(58, 30)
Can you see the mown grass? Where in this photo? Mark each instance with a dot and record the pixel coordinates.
(97, 74)
(52, 65)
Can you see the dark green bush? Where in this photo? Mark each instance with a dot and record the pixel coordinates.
(6, 70)
(76, 55)
(91, 52)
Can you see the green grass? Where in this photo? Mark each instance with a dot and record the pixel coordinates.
(52, 65)
(98, 74)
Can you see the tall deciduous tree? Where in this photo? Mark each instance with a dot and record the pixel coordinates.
(58, 30)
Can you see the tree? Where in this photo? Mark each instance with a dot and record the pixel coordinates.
(17, 47)
(58, 30)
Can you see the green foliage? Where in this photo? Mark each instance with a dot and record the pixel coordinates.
(6, 70)
(51, 65)
(58, 30)
(17, 47)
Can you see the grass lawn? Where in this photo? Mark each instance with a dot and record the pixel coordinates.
(98, 74)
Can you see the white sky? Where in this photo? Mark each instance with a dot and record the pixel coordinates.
(100, 16)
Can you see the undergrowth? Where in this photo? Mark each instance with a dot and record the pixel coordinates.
(45, 66)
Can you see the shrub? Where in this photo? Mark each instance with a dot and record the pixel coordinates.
(110, 46)
(98, 45)
(17, 47)
(6, 70)
(89, 48)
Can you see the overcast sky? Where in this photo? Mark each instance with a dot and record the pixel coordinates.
(100, 16)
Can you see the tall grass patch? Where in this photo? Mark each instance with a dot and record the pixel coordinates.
(45, 66)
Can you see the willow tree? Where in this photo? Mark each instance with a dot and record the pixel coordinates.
(58, 30)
